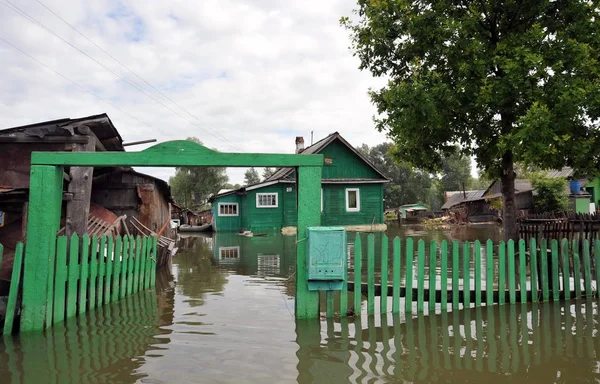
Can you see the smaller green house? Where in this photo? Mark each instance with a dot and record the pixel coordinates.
(351, 194)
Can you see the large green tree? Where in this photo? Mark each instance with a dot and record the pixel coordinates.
(251, 176)
(506, 80)
(192, 186)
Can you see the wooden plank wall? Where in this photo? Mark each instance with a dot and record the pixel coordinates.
(87, 273)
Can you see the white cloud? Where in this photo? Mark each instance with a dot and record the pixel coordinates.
(256, 72)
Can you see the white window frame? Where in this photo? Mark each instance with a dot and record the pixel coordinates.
(237, 210)
(267, 194)
(226, 252)
(357, 209)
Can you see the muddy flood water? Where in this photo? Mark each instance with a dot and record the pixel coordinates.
(224, 314)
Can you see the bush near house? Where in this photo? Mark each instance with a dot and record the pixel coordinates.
(550, 194)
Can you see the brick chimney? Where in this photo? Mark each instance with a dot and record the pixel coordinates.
(299, 144)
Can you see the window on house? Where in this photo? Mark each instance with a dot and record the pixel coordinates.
(352, 200)
(228, 209)
(229, 253)
(266, 200)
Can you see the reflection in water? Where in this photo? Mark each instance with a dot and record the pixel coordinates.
(537, 342)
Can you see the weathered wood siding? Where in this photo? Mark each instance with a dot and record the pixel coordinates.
(227, 223)
(345, 164)
(264, 218)
(334, 205)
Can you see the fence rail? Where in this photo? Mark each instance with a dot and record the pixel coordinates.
(467, 275)
(86, 273)
(568, 225)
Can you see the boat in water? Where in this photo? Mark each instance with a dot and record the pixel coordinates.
(195, 228)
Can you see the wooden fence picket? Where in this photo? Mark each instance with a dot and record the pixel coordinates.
(420, 275)
(384, 274)
(13, 293)
(60, 281)
(83, 275)
(370, 274)
(409, 275)
(466, 274)
(397, 249)
(73, 271)
(117, 268)
(357, 275)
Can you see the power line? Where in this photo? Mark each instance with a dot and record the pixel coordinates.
(127, 68)
(18, 10)
(75, 83)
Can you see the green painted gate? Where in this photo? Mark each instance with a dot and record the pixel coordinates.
(45, 199)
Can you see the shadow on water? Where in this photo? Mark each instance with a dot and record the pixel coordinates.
(107, 345)
(549, 342)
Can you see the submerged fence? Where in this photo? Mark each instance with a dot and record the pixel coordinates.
(462, 275)
(86, 273)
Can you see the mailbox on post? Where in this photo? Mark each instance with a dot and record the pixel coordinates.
(327, 258)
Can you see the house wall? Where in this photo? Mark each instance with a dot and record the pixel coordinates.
(334, 205)
(345, 164)
(227, 223)
(263, 218)
(593, 188)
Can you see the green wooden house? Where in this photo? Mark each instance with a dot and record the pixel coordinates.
(351, 194)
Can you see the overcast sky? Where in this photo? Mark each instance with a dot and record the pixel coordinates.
(241, 75)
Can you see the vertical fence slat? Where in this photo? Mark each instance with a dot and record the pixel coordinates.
(566, 275)
(13, 293)
(477, 246)
(155, 266)
(343, 292)
(523, 270)
(357, 275)
(117, 267)
(587, 268)
(420, 275)
(489, 273)
(50, 288)
(555, 276)
(576, 269)
(455, 273)
(444, 276)
(466, 274)
(83, 275)
(138, 260)
(511, 271)
(384, 274)
(371, 274)
(432, 274)
(501, 273)
(72, 270)
(149, 264)
(61, 279)
(545, 277)
(130, 271)
(143, 255)
(408, 282)
(109, 269)
(534, 281)
(124, 267)
(397, 245)
(93, 272)
(101, 271)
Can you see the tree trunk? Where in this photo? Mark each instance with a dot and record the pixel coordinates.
(508, 197)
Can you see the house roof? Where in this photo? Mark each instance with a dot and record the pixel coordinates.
(317, 147)
(162, 185)
(100, 125)
(458, 198)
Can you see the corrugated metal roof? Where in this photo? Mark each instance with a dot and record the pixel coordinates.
(463, 198)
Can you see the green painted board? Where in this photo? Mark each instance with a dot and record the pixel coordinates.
(138, 264)
(466, 274)
(60, 279)
(587, 268)
(357, 275)
(330, 303)
(371, 274)
(83, 275)
(73, 276)
(489, 272)
(511, 271)
(523, 270)
(432, 274)
(93, 272)
(409, 275)
(15, 281)
(130, 265)
(154, 267)
(420, 275)
(576, 269)
(124, 267)
(597, 265)
(384, 273)
(397, 250)
(50, 289)
(444, 276)
(109, 269)
(566, 275)
(501, 273)
(544, 276)
(117, 267)
(143, 255)
(343, 292)
(555, 275)
(101, 271)
(477, 246)
(455, 274)
(149, 263)
(534, 270)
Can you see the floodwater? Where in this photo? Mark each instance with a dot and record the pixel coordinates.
(224, 314)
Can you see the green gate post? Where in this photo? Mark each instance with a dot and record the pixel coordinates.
(309, 214)
(43, 222)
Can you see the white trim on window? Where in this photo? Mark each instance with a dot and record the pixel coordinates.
(228, 209)
(354, 208)
(229, 253)
(267, 200)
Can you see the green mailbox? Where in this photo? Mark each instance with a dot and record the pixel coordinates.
(327, 258)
